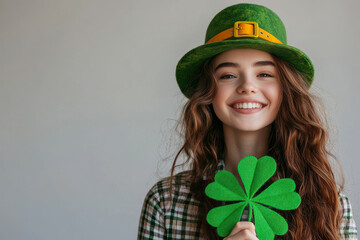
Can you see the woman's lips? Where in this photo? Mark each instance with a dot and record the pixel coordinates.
(247, 107)
(247, 111)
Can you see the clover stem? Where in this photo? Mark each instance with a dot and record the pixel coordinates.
(250, 213)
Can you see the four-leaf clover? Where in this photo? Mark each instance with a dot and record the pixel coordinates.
(253, 173)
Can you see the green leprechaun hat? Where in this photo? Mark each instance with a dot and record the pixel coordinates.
(241, 26)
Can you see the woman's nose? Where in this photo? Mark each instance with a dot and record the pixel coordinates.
(246, 86)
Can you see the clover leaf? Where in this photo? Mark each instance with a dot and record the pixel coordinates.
(253, 173)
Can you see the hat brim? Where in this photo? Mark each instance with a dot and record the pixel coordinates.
(190, 65)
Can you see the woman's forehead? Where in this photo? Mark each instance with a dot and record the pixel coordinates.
(244, 57)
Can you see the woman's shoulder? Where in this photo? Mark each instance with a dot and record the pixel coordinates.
(347, 225)
(161, 190)
(343, 196)
(344, 202)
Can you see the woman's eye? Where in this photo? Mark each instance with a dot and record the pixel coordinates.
(265, 75)
(227, 76)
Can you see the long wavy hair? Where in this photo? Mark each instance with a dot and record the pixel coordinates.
(298, 141)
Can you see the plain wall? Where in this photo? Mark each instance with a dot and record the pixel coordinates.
(89, 102)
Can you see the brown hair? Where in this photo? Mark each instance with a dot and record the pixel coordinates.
(297, 141)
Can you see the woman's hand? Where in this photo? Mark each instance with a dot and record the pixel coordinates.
(243, 231)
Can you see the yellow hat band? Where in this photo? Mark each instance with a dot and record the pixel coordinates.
(245, 29)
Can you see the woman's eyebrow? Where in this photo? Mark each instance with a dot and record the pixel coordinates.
(226, 64)
(264, 63)
(232, 64)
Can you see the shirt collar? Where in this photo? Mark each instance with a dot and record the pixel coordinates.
(219, 167)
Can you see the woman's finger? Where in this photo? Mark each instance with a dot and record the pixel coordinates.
(244, 234)
(243, 231)
(242, 226)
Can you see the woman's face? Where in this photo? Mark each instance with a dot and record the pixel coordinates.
(249, 93)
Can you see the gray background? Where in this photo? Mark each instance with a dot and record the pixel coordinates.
(89, 102)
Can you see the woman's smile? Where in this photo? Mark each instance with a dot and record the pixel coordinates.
(247, 106)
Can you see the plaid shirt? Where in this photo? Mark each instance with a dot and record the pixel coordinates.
(177, 218)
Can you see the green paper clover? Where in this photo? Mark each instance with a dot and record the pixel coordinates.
(253, 173)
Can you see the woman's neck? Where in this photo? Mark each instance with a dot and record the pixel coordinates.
(241, 144)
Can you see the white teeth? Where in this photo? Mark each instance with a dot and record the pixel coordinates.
(247, 105)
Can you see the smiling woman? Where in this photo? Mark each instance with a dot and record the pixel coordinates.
(248, 96)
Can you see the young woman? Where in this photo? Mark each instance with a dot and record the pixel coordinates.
(248, 95)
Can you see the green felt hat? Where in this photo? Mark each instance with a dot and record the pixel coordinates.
(241, 26)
